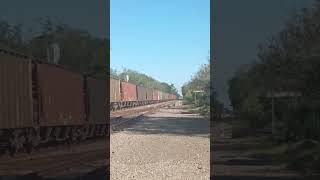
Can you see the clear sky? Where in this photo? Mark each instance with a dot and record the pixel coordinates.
(165, 39)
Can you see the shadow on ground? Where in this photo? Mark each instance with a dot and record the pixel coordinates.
(254, 178)
(230, 160)
(99, 173)
(189, 126)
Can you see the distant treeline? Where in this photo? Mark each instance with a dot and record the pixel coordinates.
(143, 80)
(79, 49)
(289, 61)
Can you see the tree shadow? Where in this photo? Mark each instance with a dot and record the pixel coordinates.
(187, 126)
(255, 178)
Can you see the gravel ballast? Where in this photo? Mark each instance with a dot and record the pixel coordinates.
(164, 145)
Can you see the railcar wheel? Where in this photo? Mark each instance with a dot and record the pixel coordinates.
(12, 147)
(29, 147)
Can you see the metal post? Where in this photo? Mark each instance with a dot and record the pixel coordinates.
(273, 125)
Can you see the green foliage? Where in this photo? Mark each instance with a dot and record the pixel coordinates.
(252, 110)
(11, 37)
(200, 81)
(188, 96)
(114, 73)
(79, 49)
(288, 62)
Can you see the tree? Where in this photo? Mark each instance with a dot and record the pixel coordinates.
(199, 81)
(79, 50)
(287, 61)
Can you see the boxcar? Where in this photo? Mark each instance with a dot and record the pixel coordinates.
(164, 97)
(155, 94)
(96, 100)
(96, 107)
(61, 96)
(115, 95)
(141, 93)
(149, 95)
(160, 95)
(15, 92)
(128, 91)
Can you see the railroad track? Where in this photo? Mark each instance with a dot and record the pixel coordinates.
(61, 163)
(122, 118)
(221, 130)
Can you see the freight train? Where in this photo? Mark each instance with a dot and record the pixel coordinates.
(42, 103)
(126, 95)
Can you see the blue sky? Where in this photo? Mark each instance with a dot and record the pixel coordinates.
(167, 40)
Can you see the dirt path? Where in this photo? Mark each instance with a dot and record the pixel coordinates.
(164, 145)
(230, 160)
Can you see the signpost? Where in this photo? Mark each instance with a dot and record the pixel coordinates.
(273, 95)
(195, 94)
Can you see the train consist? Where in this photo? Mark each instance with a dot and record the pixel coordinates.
(126, 95)
(42, 103)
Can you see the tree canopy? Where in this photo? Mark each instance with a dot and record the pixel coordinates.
(200, 81)
(79, 49)
(288, 61)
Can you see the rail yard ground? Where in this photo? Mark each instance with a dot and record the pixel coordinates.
(59, 162)
(241, 157)
(168, 144)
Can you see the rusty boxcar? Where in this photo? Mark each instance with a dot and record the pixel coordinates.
(155, 94)
(115, 94)
(149, 95)
(97, 99)
(163, 96)
(128, 91)
(16, 103)
(141, 93)
(61, 96)
(160, 95)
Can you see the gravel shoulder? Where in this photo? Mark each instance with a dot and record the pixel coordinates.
(165, 145)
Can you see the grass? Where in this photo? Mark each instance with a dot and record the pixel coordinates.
(303, 156)
(202, 110)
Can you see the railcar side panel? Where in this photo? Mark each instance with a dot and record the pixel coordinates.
(115, 95)
(128, 92)
(61, 96)
(97, 99)
(15, 92)
(149, 94)
(155, 95)
(141, 93)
